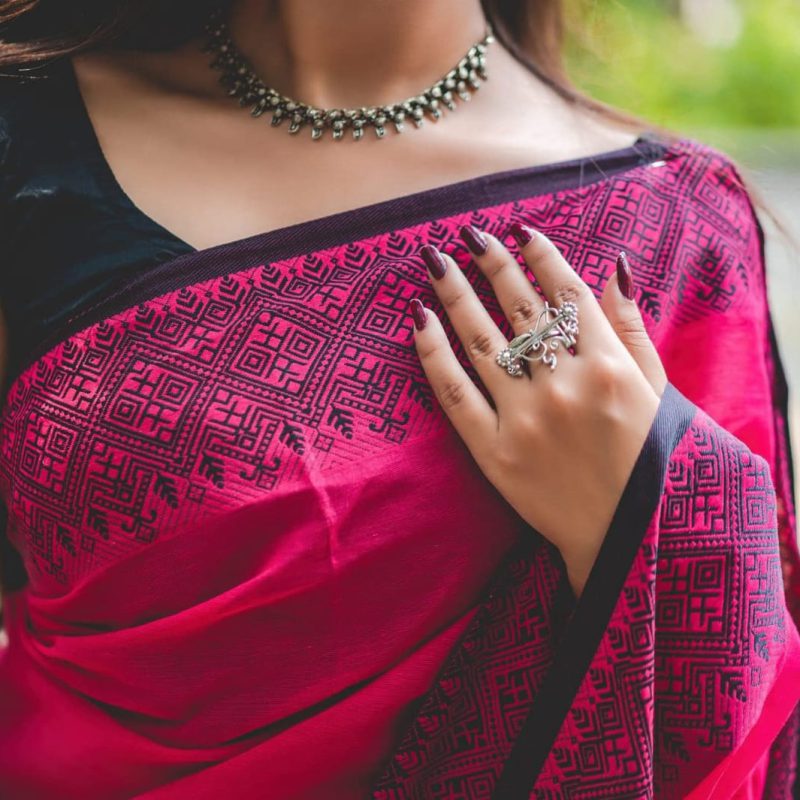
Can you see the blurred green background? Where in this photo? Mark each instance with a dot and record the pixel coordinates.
(692, 64)
(726, 72)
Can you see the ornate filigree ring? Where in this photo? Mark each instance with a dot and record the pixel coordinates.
(555, 327)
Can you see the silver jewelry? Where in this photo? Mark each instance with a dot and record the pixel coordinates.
(243, 84)
(559, 328)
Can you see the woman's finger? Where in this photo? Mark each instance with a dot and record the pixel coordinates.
(560, 283)
(619, 304)
(515, 293)
(476, 329)
(468, 410)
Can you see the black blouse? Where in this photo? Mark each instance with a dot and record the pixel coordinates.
(66, 227)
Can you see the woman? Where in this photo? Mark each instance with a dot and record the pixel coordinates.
(371, 466)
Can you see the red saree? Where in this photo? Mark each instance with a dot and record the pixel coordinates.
(262, 565)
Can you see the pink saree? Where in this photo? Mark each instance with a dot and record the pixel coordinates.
(262, 565)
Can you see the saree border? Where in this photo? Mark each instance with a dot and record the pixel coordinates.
(589, 619)
(341, 228)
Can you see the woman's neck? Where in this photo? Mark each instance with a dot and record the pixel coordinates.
(344, 53)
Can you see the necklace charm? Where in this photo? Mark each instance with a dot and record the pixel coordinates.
(242, 83)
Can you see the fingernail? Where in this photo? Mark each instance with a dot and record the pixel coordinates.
(624, 276)
(418, 314)
(433, 260)
(474, 239)
(522, 233)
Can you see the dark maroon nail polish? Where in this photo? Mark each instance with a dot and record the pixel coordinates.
(474, 239)
(624, 276)
(418, 314)
(433, 260)
(522, 233)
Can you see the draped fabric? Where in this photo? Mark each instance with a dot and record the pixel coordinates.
(261, 563)
(684, 690)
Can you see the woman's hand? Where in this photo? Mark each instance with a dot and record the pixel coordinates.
(560, 444)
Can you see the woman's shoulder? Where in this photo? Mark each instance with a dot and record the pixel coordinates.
(14, 101)
(701, 187)
(708, 177)
(23, 93)
(33, 108)
(707, 238)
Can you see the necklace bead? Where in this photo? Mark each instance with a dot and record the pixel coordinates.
(242, 83)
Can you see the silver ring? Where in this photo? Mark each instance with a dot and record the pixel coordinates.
(555, 327)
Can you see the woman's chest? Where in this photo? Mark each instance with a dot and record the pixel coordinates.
(295, 380)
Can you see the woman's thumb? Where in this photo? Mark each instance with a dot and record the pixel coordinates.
(620, 307)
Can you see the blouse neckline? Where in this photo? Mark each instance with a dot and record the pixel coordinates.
(401, 211)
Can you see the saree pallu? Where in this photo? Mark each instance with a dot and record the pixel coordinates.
(263, 565)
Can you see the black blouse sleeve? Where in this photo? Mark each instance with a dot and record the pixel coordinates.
(68, 229)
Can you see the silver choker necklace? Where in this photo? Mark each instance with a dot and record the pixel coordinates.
(243, 84)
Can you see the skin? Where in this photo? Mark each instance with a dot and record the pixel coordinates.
(561, 445)
(191, 159)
